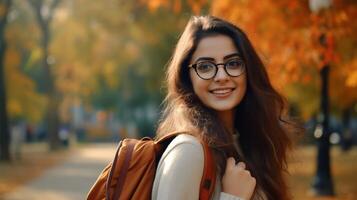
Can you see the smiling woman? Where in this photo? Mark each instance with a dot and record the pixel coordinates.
(224, 89)
(219, 92)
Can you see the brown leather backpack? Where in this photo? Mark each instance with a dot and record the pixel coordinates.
(132, 172)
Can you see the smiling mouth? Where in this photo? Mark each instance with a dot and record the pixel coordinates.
(222, 92)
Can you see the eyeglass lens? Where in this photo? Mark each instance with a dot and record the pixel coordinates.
(208, 70)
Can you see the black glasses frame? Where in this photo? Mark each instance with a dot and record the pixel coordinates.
(194, 66)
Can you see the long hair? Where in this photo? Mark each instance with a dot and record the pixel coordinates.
(260, 118)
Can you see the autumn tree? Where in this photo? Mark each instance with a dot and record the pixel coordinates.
(297, 47)
(112, 58)
(44, 11)
(25, 101)
(299, 30)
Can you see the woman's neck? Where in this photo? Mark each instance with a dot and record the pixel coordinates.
(227, 118)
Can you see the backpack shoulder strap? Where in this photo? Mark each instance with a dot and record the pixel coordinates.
(123, 172)
(208, 180)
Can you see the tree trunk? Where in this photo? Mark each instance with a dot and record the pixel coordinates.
(4, 128)
(52, 109)
(323, 185)
(52, 119)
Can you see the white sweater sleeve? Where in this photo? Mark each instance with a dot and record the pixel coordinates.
(180, 170)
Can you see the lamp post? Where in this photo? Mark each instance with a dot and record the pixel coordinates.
(322, 183)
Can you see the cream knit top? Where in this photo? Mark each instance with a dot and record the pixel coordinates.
(180, 170)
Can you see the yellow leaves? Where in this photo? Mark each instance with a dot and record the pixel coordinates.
(109, 72)
(304, 96)
(352, 79)
(23, 100)
(74, 79)
(343, 84)
(14, 108)
(35, 56)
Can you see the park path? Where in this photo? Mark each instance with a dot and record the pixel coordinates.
(69, 180)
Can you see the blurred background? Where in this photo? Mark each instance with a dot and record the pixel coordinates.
(78, 76)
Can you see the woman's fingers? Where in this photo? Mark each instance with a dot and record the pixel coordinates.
(231, 162)
(241, 165)
(237, 180)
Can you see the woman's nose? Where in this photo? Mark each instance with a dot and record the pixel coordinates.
(221, 74)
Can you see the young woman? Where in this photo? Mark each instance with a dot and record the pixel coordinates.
(219, 91)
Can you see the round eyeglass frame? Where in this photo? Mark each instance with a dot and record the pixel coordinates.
(194, 66)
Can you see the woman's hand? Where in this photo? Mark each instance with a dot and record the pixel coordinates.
(237, 180)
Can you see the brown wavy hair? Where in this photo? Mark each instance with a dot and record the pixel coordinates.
(260, 118)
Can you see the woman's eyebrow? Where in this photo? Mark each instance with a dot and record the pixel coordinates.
(205, 58)
(232, 55)
(225, 57)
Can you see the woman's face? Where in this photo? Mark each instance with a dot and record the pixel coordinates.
(222, 92)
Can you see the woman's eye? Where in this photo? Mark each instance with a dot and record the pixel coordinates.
(205, 66)
(234, 64)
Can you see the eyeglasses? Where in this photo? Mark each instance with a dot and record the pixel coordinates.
(208, 69)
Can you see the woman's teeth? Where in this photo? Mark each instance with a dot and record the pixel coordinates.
(222, 91)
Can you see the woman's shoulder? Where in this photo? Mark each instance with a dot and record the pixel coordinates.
(173, 178)
(185, 138)
(184, 141)
(184, 146)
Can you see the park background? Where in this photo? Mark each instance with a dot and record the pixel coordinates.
(82, 72)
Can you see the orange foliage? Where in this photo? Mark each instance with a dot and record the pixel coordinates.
(287, 37)
(272, 26)
(174, 5)
(196, 5)
(177, 6)
(153, 5)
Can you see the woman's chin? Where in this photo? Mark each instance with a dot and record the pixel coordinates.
(222, 108)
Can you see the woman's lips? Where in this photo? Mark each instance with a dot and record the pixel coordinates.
(224, 92)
